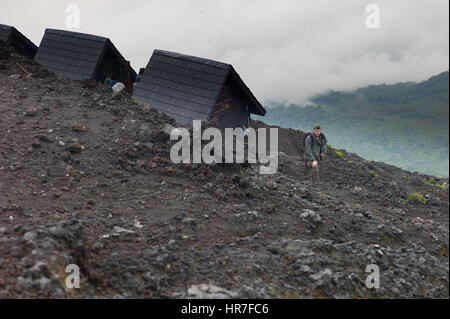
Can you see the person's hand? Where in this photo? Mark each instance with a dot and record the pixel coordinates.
(321, 155)
(314, 164)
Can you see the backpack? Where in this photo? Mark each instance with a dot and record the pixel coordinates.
(305, 136)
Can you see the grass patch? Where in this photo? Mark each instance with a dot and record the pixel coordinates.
(427, 182)
(329, 147)
(372, 173)
(350, 161)
(339, 154)
(431, 182)
(417, 198)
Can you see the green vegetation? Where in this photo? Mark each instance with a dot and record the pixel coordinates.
(430, 182)
(372, 173)
(416, 197)
(339, 154)
(350, 161)
(329, 147)
(433, 183)
(404, 124)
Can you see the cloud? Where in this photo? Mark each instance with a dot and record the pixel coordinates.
(284, 50)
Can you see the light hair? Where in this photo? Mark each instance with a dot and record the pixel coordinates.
(317, 127)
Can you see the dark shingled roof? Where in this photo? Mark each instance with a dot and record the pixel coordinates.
(73, 55)
(12, 36)
(187, 87)
(5, 32)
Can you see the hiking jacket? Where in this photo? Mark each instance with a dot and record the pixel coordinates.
(313, 154)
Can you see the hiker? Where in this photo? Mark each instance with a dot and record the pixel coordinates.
(315, 147)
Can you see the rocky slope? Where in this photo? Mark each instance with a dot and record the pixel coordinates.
(86, 179)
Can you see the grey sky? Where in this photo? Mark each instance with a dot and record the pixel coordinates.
(283, 50)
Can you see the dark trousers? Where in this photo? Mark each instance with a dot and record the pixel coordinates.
(315, 176)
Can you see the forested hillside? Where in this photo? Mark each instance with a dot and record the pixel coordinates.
(404, 124)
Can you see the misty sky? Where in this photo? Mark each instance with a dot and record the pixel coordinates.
(283, 50)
